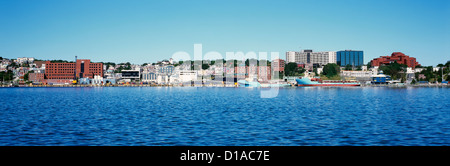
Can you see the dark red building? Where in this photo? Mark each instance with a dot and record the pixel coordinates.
(396, 56)
(83, 68)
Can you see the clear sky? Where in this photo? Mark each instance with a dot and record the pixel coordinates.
(147, 31)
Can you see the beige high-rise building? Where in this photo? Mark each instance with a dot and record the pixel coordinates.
(310, 57)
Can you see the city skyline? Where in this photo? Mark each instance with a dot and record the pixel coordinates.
(150, 31)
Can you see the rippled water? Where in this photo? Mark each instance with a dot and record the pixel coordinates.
(224, 116)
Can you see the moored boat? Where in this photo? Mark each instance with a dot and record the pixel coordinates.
(306, 81)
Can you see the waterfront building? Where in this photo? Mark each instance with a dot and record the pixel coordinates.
(187, 76)
(58, 81)
(380, 78)
(262, 73)
(350, 57)
(148, 75)
(362, 74)
(83, 68)
(131, 74)
(310, 57)
(278, 65)
(36, 77)
(395, 57)
(97, 80)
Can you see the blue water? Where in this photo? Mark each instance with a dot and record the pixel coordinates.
(224, 116)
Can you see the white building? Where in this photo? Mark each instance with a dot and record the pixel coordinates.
(418, 70)
(310, 57)
(97, 80)
(162, 79)
(290, 56)
(148, 76)
(24, 60)
(435, 69)
(187, 76)
(409, 70)
(360, 74)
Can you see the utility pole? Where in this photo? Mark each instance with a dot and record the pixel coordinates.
(75, 69)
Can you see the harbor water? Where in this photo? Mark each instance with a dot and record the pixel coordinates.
(311, 116)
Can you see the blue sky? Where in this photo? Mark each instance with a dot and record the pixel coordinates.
(147, 31)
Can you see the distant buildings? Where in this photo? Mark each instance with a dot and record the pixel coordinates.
(206, 72)
(395, 57)
(350, 57)
(23, 60)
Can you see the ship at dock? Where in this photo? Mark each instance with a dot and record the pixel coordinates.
(253, 83)
(307, 81)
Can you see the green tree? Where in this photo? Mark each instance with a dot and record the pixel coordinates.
(292, 69)
(369, 65)
(13, 65)
(394, 70)
(348, 67)
(6, 76)
(127, 66)
(330, 70)
(205, 66)
(26, 76)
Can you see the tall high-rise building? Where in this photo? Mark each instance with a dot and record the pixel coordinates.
(82, 68)
(350, 57)
(310, 57)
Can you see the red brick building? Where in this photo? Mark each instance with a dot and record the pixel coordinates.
(83, 69)
(278, 64)
(36, 77)
(263, 73)
(396, 56)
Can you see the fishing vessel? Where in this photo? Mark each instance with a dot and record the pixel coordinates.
(307, 81)
(255, 83)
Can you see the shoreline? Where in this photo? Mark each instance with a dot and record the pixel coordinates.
(221, 86)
